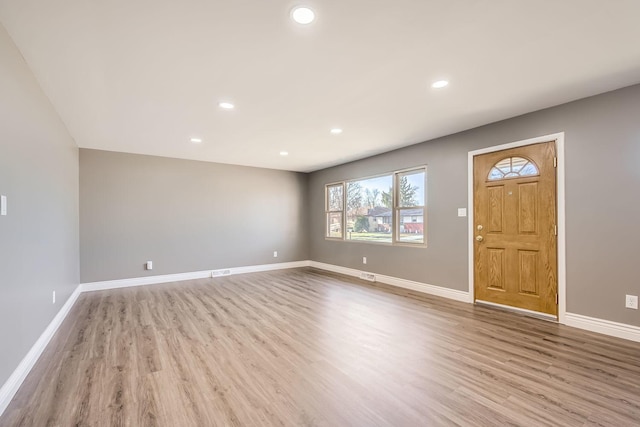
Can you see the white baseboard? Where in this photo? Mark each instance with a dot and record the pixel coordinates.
(142, 281)
(336, 269)
(11, 386)
(178, 277)
(425, 288)
(439, 291)
(606, 327)
(270, 267)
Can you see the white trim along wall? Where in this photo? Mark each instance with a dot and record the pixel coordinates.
(11, 386)
(440, 291)
(560, 194)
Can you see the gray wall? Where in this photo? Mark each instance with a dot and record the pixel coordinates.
(39, 236)
(185, 215)
(602, 148)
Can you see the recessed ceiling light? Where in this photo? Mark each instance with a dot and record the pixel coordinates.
(226, 105)
(196, 140)
(439, 84)
(336, 131)
(284, 153)
(303, 15)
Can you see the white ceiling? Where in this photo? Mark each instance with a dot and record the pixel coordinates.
(144, 76)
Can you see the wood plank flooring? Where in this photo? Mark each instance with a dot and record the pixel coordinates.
(307, 348)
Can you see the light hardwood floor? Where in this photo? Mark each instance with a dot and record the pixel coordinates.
(305, 348)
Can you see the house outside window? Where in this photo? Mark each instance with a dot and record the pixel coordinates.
(388, 209)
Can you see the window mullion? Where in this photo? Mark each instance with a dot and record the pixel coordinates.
(343, 227)
(394, 214)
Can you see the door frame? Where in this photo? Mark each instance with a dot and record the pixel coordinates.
(560, 205)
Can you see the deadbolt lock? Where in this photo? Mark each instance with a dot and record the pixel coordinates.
(479, 227)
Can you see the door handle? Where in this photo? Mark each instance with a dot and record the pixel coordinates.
(479, 238)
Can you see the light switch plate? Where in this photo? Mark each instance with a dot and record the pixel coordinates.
(3, 205)
(462, 211)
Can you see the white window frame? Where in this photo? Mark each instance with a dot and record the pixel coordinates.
(395, 210)
(328, 211)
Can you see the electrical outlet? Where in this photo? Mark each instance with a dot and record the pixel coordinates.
(364, 259)
(54, 297)
(149, 265)
(275, 254)
(631, 301)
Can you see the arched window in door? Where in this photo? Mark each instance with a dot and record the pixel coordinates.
(513, 167)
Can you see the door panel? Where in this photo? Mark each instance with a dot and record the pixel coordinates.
(515, 254)
(527, 212)
(528, 272)
(496, 209)
(496, 269)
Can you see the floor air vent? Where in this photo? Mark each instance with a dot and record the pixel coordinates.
(216, 273)
(368, 276)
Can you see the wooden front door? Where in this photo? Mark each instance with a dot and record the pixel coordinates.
(515, 256)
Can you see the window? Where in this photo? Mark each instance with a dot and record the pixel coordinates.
(513, 167)
(333, 210)
(410, 206)
(384, 209)
(369, 209)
